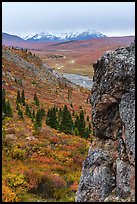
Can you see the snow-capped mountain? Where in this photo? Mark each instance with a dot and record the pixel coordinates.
(48, 36)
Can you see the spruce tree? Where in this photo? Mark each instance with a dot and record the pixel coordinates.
(28, 111)
(76, 121)
(36, 101)
(42, 112)
(20, 113)
(81, 123)
(55, 122)
(23, 98)
(8, 109)
(3, 101)
(51, 118)
(86, 133)
(39, 116)
(17, 106)
(59, 115)
(33, 114)
(36, 127)
(3, 93)
(18, 100)
(66, 124)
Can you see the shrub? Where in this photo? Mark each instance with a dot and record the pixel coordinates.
(18, 153)
(8, 195)
(52, 185)
(76, 131)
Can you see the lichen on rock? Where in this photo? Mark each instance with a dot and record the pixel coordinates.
(108, 173)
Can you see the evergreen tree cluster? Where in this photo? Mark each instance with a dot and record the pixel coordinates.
(20, 100)
(51, 118)
(29, 112)
(57, 118)
(6, 107)
(61, 119)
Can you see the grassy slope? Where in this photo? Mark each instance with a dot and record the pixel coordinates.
(44, 165)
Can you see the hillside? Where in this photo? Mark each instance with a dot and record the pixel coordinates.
(39, 163)
(7, 38)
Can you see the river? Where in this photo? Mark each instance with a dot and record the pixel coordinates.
(80, 80)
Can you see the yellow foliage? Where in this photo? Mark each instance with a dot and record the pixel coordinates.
(8, 195)
(18, 153)
(16, 180)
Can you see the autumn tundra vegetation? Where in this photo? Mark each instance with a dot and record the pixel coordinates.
(46, 131)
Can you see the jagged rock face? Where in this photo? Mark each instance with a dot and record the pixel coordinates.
(108, 173)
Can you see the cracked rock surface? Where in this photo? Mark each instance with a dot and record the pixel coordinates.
(108, 173)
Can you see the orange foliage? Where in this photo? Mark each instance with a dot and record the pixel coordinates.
(8, 195)
(74, 186)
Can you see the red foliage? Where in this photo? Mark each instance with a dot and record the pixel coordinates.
(77, 160)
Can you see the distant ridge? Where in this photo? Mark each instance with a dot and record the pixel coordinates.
(6, 36)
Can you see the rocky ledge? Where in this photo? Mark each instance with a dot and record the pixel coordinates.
(108, 173)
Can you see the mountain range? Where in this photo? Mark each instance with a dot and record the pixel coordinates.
(53, 37)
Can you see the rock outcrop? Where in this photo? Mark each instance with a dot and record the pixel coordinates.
(108, 173)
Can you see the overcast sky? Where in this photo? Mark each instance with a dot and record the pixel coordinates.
(110, 18)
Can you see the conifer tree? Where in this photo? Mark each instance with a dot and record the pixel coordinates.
(17, 106)
(18, 100)
(3, 93)
(28, 111)
(81, 123)
(51, 118)
(33, 114)
(86, 133)
(55, 122)
(76, 121)
(3, 101)
(20, 113)
(42, 112)
(66, 124)
(36, 101)
(23, 98)
(59, 115)
(8, 109)
(36, 126)
(38, 118)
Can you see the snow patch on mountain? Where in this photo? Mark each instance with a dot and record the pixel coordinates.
(90, 33)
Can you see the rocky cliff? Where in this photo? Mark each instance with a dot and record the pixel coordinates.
(108, 173)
